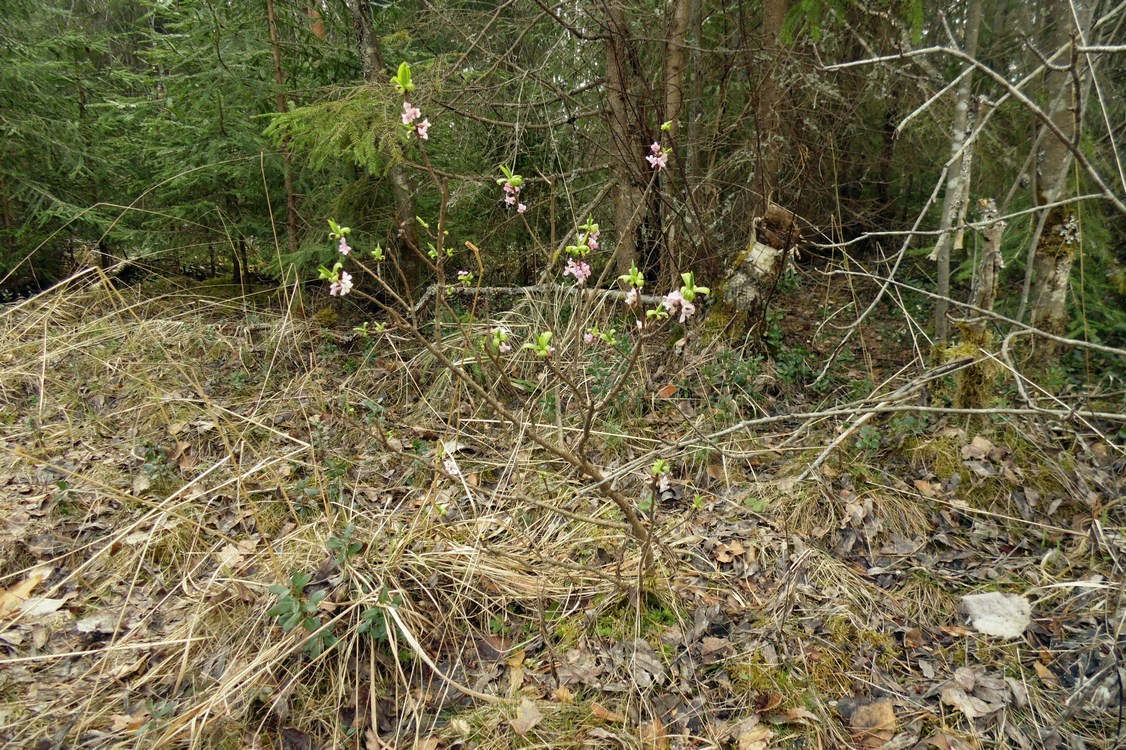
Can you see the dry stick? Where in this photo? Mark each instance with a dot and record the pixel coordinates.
(994, 315)
(647, 458)
(935, 232)
(1014, 91)
(899, 394)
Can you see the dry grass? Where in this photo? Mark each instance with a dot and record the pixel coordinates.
(168, 458)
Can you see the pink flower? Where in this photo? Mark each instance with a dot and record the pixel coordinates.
(510, 199)
(510, 188)
(422, 129)
(579, 269)
(631, 297)
(342, 287)
(674, 300)
(344, 249)
(655, 148)
(588, 338)
(450, 466)
(687, 310)
(410, 113)
(658, 162)
(521, 208)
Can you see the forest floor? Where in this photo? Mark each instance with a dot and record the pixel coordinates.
(228, 524)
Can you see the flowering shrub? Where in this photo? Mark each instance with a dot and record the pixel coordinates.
(501, 346)
(511, 183)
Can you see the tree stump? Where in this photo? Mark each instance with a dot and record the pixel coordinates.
(745, 293)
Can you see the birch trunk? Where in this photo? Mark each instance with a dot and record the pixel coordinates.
(1058, 242)
(957, 180)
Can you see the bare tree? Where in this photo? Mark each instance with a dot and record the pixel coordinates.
(1057, 240)
(956, 196)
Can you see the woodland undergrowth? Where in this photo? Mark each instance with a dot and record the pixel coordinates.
(236, 521)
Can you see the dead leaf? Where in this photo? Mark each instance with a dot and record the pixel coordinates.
(38, 607)
(667, 391)
(103, 622)
(943, 741)
(13, 598)
(767, 702)
(754, 738)
(997, 614)
(725, 553)
(969, 705)
(928, 489)
(127, 723)
(600, 712)
(1047, 676)
(652, 734)
(873, 724)
(141, 482)
(956, 630)
(229, 557)
(799, 715)
(978, 448)
(527, 716)
(564, 694)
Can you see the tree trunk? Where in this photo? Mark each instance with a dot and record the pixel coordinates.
(957, 179)
(626, 143)
(675, 57)
(287, 158)
(375, 72)
(768, 119)
(692, 155)
(975, 385)
(1058, 243)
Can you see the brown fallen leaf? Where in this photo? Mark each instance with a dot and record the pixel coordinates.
(127, 723)
(798, 715)
(969, 705)
(755, 738)
(652, 735)
(1047, 676)
(767, 702)
(725, 553)
(527, 716)
(11, 599)
(600, 712)
(873, 724)
(667, 391)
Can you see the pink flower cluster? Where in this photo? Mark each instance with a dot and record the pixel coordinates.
(341, 287)
(657, 158)
(674, 300)
(412, 113)
(579, 269)
(512, 196)
(344, 248)
(592, 239)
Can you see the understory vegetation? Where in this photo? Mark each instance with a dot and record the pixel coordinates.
(498, 375)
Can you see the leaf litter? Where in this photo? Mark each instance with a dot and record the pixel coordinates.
(967, 606)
